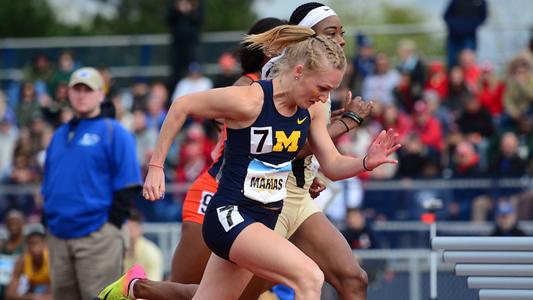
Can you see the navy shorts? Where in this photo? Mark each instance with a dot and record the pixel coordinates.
(224, 220)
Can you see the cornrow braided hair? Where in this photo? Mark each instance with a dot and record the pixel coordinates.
(299, 44)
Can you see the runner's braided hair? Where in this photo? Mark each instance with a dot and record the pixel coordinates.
(299, 45)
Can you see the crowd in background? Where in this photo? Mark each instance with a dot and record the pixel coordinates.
(456, 119)
(459, 119)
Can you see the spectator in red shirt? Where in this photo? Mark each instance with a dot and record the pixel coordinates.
(195, 154)
(428, 127)
(472, 72)
(437, 79)
(391, 117)
(490, 91)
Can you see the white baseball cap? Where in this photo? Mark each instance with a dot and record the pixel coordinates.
(88, 76)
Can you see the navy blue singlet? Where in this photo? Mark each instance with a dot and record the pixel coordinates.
(257, 161)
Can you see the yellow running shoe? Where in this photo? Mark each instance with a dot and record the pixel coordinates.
(118, 290)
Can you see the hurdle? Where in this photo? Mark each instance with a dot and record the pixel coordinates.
(500, 267)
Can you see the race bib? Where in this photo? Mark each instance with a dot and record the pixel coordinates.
(261, 140)
(266, 182)
(229, 216)
(204, 201)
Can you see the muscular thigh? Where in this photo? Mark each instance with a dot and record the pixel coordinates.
(191, 255)
(297, 208)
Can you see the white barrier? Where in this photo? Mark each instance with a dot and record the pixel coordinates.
(501, 267)
(505, 295)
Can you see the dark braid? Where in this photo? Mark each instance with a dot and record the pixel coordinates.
(252, 59)
(301, 11)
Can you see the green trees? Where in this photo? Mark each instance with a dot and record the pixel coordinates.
(34, 18)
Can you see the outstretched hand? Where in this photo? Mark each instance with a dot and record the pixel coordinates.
(380, 150)
(154, 184)
(357, 105)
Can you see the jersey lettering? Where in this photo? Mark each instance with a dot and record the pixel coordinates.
(283, 142)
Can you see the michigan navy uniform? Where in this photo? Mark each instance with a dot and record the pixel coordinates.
(257, 161)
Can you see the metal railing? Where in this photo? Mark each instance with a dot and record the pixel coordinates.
(409, 267)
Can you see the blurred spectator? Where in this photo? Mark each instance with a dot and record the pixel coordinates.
(141, 250)
(518, 96)
(139, 92)
(14, 222)
(185, 19)
(91, 177)
(465, 165)
(156, 105)
(413, 69)
(466, 161)
(358, 234)
(6, 111)
(339, 197)
(23, 171)
(123, 115)
(40, 69)
(457, 90)
(475, 121)
(490, 91)
(392, 117)
(471, 71)
(506, 221)
(8, 136)
(412, 157)
(31, 276)
(227, 66)
(65, 66)
(195, 154)
(52, 107)
(428, 128)
(403, 93)
(437, 79)
(379, 86)
(507, 162)
(28, 106)
(25, 144)
(363, 63)
(194, 82)
(111, 93)
(463, 18)
(11, 248)
(110, 86)
(439, 111)
(145, 137)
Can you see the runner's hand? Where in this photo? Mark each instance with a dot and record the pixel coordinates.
(154, 184)
(357, 105)
(316, 188)
(381, 148)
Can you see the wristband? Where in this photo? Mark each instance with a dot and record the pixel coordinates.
(357, 119)
(346, 125)
(364, 163)
(156, 166)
